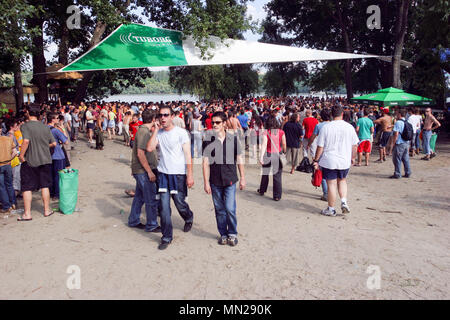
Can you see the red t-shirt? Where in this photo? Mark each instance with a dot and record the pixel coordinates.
(134, 127)
(274, 138)
(309, 124)
(208, 123)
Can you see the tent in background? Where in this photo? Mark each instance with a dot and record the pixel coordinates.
(392, 97)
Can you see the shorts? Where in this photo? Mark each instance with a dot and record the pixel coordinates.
(35, 178)
(292, 156)
(91, 126)
(111, 124)
(333, 174)
(365, 146)
(384, 139)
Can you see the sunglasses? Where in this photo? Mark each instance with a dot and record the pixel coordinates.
(163, 115)
(216, 122)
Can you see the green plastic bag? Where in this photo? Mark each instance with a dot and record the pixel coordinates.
(433, 142)
(68, 190)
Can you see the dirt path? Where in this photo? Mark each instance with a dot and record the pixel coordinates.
(286, 249)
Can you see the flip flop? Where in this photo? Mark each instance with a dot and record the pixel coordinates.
(21, 219)
(46, 216)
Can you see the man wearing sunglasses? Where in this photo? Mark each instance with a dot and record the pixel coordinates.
(221, 153)
(175, 169)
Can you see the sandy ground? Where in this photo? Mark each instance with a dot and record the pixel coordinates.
(286, 249)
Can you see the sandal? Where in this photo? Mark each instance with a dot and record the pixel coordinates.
(130, 193)
(276, 199)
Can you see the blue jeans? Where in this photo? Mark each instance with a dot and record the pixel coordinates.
(417, 141)
(181, 205)
(426, 141)
(192, 145)
(7, 196)
(401, 154)
(57, 165)
(145, 194)
(224, 199)
(324, 187)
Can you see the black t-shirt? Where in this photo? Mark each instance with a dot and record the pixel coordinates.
(222, 158)
(293, 132)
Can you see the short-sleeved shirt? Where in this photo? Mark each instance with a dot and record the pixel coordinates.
(6, 147)
(171, 154)
(364, 125)
(398, 127)
(222, 158)
(293, 132)
(243, 120)
(89, 116)
(75, 120)
(337, 139)
(40, 136)
(274, 138)
(58, 153)
(142, 137)
(309, 125)
(318, 127)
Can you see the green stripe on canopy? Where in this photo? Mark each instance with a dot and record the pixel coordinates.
(133, 46)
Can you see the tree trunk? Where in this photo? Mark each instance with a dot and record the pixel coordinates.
(39, 67)
(83, 85)
(400, 31)
(348, 48)
(63, 54)
(18, 87)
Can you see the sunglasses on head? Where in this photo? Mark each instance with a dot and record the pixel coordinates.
(163, 115)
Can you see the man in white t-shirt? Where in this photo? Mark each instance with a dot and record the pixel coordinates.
(90, 123)
(415, 119)
(336, 151)
(174, 172)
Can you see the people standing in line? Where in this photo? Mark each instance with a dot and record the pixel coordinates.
(174, 172)
(325, 115)
(294, 134)
(429, 124)
(221, 154)
(273, 143)
(58, 156)
(144, 170)
(336, 150)
(365, 130)
(36, 159)
(308, 124)
(386, 126)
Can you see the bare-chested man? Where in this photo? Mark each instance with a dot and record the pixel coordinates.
(430, 123)
(233, 124)
(386, 125)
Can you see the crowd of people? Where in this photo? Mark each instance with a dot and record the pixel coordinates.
(166, 139)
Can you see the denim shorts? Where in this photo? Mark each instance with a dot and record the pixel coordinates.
(333, 174)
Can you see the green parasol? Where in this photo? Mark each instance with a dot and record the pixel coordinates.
(389, 97)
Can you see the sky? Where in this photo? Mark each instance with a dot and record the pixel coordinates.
(254, 8)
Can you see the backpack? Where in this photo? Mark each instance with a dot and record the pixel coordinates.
(408, 132)
(305, 166)
(317, 178)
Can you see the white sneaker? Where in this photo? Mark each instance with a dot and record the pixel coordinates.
(328, 212)
(345, 208)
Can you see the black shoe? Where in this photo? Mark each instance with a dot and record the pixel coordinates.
(406, 176)
(163, 245)
(432, 155)
(394, 177)
(260, 193)
(138, 226)
(156, 230)
(187, 226)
